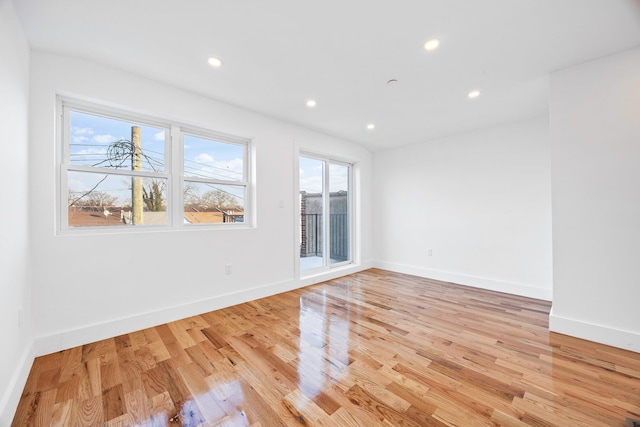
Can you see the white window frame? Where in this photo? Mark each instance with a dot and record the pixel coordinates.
(227, 139)
(327, 265)
(173, 172)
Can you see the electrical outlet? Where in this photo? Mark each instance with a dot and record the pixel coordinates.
(227, 269)
(430, 252)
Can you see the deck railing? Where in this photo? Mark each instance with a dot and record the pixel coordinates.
(312, 236)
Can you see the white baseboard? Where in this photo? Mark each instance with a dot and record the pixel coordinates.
(627, 340)
(79, 336)
(62, 340)
(334, 274)
(89, 333)
(13, 391)
(468, 280)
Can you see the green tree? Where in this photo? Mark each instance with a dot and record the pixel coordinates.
(154, 197)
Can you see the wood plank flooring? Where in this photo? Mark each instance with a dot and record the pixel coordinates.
(370, 349)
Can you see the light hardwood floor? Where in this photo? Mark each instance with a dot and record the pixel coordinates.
(374, 348)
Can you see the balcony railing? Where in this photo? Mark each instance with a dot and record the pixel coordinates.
(312, 241)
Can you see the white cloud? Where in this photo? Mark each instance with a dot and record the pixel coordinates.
(91, 151)
(159, 136)
(231, 170)
(234, 165)
(339, 177)
(204, 158)
(103, 139)
(220, 169)
(76, 185)
(311, 185)
(79, 135)
(81, 131)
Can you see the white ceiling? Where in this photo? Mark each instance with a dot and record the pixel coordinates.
(278, 54)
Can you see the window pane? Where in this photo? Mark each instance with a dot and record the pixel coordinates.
(206, 203)
(96, 199)
(206, 158)
(311, 213)
(109, 143)
(339, 213)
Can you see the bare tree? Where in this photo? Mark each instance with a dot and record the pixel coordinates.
(95, 198)
(191, 195)
(220, 200)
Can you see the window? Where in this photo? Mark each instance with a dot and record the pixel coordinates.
(325, 213)
(122, 170)
(214, 180)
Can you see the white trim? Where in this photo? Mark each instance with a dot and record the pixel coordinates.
(320, 155)
(175, 163)
(173, 172)
(607, 335)
(13, 391)
(70, 338)
(469, 280)
(334, 273)
(297, 211)
(216, 136)
(79, 336)
(326, 215)
(120, 172)
(63, 127)
(98, 108)
(353, 212)
(327, 161)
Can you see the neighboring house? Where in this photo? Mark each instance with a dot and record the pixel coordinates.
(214, 217)
(95, 216)
(113, 216)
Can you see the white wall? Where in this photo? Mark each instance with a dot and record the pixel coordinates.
(90, 287)
(14, 235)
(480, 200)
(595, 136)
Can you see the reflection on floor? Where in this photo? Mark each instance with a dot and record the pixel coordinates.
(371, 349)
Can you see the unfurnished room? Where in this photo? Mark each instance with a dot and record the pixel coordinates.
(287, 213)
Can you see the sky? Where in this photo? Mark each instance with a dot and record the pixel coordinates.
(311, 176)
(104, 143)
(96, 141)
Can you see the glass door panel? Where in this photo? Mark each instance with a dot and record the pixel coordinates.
(339, 241)
(312, 254)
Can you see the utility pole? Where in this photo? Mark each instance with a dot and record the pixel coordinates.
(136, 181)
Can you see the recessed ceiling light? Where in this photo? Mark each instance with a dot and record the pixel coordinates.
(371, 126)
(474, 94)
(432, 44)
(311, 103)
(392, 82)
(215, 62)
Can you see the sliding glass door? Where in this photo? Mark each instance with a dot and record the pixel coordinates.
(339, 218)
(325, 219)
(312, 201)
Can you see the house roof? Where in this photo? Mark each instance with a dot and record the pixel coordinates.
(95, 217)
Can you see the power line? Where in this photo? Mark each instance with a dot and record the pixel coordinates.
(210, 166)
